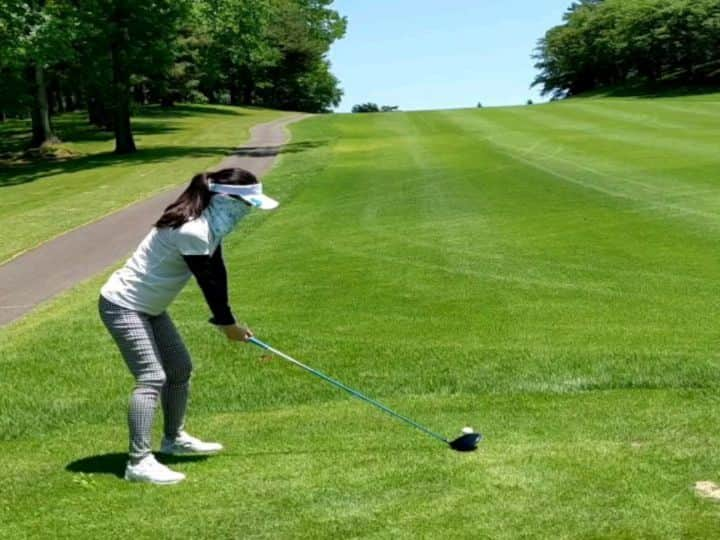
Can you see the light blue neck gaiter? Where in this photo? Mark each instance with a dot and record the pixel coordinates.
(223, 214)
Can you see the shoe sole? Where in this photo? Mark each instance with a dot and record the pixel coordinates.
(189, 452)
(207, 453)
(154, 482)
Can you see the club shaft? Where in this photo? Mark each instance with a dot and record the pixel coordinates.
(349, 390)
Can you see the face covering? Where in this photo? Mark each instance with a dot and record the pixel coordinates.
(223, 214)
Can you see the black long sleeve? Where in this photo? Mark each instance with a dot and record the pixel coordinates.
(211, 276)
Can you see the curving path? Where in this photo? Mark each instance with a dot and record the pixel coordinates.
(79, 254)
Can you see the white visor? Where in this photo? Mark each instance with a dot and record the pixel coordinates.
(252, 194)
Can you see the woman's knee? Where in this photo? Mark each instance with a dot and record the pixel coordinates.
(154, 381)
(179, 370)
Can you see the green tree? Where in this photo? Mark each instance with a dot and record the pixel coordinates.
(613, 42)
(34, 37)
(181, 81)
(127, 40)
(366, 108)
(236, 48)
(268, 52)
(302, 31)
(107, 54)
(13, 98)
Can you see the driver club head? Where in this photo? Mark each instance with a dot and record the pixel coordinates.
(467, 442)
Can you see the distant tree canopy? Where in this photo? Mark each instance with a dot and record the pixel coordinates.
(366, 108)
(106, 55)
(373, 108)
(604, 43)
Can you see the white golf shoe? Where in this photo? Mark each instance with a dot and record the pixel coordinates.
(185, 444)
(151, 471)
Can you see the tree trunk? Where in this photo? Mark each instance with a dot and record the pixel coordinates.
(98, 114)
(54, 100)
(52, 104)
(70, 104)
(234, 93)
(248, 94)
(247, 86)
(124, 142)
(78, 100)
(41, 129)
(93, 111)
(59, 97)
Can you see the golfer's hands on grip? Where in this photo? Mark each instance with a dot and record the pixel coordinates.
(237, 332)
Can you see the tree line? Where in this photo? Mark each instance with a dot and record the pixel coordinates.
(105, 56)
(371, 107)
(610, 43)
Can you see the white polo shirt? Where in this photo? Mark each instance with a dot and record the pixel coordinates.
(156, 272)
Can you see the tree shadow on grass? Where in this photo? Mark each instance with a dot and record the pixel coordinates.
(18, 139)
(74, 127)
(651, 91)
(14, 128)
(14, 136)
(13, 175)
(74, 133)
(291, 148)
(22, 173)
(188, 110)
(114, 463)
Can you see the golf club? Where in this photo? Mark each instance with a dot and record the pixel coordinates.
(466, 442)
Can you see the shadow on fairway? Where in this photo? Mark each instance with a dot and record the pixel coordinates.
(71, 128)
(23, 173)
(292, 148)
(75, 132)
(190, 110)
(649, 91)
(13, 175)
(115, 463)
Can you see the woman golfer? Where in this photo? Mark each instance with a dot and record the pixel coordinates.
(185, 241)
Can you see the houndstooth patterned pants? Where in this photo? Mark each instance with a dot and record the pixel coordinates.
(158, 359)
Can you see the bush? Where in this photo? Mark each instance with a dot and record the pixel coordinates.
(197, 97)
(366, 108)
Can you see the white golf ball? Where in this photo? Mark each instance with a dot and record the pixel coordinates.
(468, 430)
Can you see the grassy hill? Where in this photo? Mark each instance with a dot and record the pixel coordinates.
(40, 199)
(547, 274)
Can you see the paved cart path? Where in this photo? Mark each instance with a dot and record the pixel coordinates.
(58, 264)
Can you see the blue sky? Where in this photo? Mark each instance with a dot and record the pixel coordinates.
(436, 54)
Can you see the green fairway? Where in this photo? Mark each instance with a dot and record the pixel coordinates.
(43, 199)
(548, 275)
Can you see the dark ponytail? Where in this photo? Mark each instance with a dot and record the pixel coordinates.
(196, 197)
